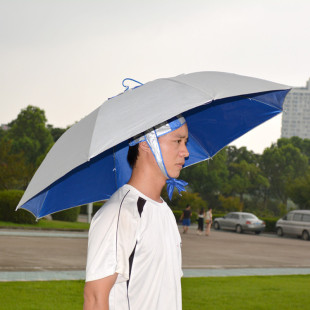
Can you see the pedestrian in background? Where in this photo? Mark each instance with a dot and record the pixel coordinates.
(186, 218)
(201, 218)
(208, 221)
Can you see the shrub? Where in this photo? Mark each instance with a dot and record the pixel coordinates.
(194, 218)
(270, 224)
(83, 209)
(215, 215)
(177, 215)
(9, 199)
(69, 215)
(96, 207)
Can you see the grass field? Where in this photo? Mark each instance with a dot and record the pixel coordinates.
(263, 292)
(45, 224)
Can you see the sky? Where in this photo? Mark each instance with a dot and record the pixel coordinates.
(68, 56)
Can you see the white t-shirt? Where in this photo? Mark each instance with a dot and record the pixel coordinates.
(137, 238)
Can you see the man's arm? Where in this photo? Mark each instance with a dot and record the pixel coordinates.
(96, 293)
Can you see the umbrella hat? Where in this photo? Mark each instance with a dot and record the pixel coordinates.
(89, 161)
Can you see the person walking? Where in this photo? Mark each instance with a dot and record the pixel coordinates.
(208, 221)
(186, 218)
(201, 218)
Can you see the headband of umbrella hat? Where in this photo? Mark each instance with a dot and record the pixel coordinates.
(151, 137)
(160, 130)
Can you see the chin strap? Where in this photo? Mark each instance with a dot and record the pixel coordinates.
(172, 183)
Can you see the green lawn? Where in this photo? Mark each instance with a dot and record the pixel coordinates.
(264, 292)
(45, 224)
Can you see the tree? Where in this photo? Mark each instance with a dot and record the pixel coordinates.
(29, 134)
(231, 203)
(2, 133)
(13, 171)
(302, 144)
(246, 178)
(56, 132)
(281, 164)
(299, 191)
(236, 155)
(207, 178)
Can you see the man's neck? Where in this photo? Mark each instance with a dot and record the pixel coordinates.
(150, 186)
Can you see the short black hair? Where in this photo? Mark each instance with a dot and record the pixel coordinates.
(132, 155)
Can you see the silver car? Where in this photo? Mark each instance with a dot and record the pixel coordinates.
(295, 223)
(239, 222)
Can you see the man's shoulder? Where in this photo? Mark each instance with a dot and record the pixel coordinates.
(124, 198)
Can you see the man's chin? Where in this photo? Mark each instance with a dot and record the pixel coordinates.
(174, 175)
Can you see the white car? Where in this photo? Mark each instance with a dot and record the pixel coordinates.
(239, 222)
(295, 223)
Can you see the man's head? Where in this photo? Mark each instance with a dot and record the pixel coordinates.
(167, 142)
(174, 150)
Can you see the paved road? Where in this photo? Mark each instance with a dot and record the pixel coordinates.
(231, 250)
(24, 250)
(221, 253)
(42, 250)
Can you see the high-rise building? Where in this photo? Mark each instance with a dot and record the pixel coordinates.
(296, 115)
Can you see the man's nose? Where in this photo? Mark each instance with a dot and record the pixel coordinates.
(185, 152)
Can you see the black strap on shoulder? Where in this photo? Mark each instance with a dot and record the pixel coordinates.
(140, 204)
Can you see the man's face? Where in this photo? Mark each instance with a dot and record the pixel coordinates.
(174, 150)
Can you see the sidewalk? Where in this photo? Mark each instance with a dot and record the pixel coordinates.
(8, 276)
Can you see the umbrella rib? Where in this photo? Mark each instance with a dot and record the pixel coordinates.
(200, 145)
(191, 86)
(265, 103)
(114, 169)
(92, 134)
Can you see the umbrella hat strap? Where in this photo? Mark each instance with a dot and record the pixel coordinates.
(179, 184)
(152, 141)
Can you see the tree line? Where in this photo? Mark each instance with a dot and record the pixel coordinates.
(267, 184)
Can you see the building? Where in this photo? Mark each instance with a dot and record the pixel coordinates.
(296, 114)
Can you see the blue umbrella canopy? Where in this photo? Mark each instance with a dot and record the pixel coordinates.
(89, 162)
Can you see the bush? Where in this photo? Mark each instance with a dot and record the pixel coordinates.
(177, 215)
(270, 224)
(194, 217)
(9, 200)
(215, 215)
(83, 209)
(96, 207)
(69, 215)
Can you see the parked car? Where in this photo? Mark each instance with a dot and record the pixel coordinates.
(239, 222)
(295, 223)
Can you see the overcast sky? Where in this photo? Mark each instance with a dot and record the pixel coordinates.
(69, 56)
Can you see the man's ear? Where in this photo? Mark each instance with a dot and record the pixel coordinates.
(144, 147)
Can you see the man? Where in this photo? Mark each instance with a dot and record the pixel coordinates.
(134, 255)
